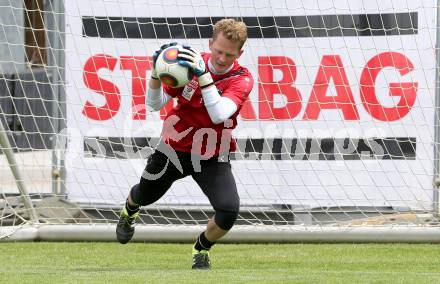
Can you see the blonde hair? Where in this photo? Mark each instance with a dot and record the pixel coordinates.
(232, 30)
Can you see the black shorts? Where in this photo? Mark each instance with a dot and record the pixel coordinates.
(214, 176)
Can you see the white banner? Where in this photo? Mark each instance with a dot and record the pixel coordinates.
(372, 85)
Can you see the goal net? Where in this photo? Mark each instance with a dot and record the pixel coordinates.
(338, 140)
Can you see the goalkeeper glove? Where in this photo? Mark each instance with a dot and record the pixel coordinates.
(192, 60)
(156, 55)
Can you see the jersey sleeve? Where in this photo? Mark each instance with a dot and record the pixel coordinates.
(172, 92)
(239, 89)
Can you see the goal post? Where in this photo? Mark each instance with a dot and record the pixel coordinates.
(7, 151)
(436, 195)
(337, 142)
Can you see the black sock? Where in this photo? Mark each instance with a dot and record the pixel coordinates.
(131, 209)
(203, 243)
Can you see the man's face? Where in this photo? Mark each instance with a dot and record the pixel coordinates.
(223, 52)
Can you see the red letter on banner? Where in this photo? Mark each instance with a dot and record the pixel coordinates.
(267, 88)
(247, 111)
(138, 65)
(331, 69)
(407, 91)
(101, 86)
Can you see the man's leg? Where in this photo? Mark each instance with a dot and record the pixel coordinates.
(146, 192)
(214, 232)
(125, 226)
(218, 184)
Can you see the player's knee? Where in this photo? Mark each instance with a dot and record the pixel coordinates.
(225, 219)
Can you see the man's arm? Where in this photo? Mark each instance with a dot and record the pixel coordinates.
(156, 99)
(219, 108)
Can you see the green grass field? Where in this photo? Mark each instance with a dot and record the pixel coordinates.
(238, 263)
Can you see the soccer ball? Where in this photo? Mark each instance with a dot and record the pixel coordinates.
(169, 71)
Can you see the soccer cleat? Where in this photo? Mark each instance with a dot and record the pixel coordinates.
(201, 259)
(125, 227)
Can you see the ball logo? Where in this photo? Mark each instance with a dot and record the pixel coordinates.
(168, 80)
(170, 55)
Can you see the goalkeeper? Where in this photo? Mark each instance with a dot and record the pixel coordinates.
(209, 103)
